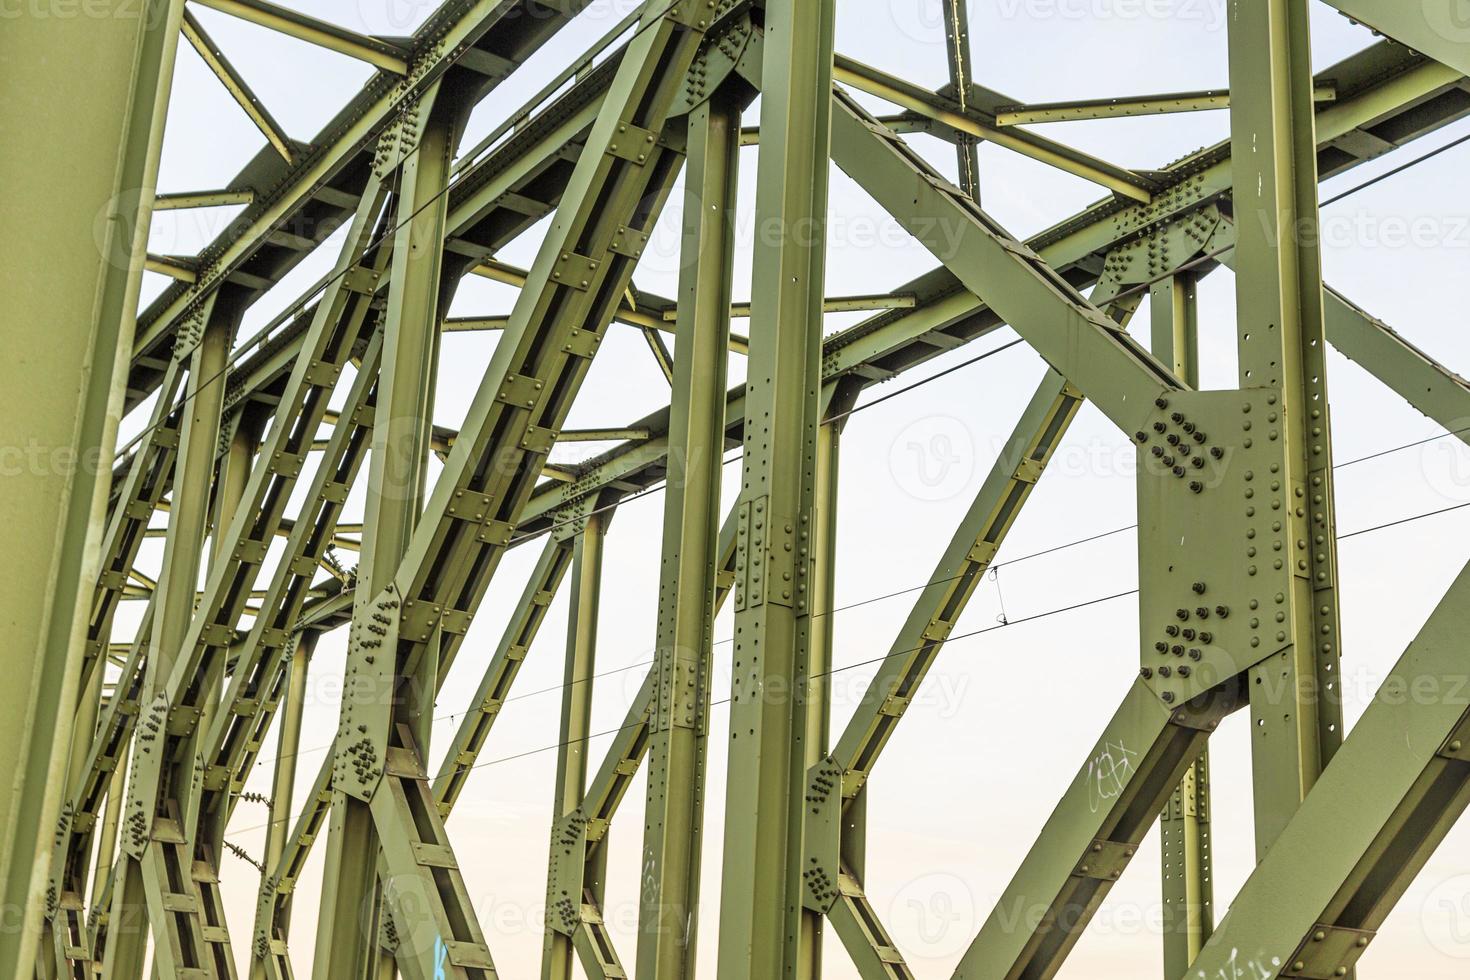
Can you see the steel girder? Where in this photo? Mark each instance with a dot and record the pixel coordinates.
(73, 300)
(571, 879)
(777, 555)
(424, 572)
(419, 612)
(1434, 27)
(1187, 879)
(679, 718)
(482, 41)
(1387, 97)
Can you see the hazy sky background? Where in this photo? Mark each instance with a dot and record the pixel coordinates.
(1005, 718)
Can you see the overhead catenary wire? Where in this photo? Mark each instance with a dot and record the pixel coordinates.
(994, 566)
(1005, 624)
(1017, 621)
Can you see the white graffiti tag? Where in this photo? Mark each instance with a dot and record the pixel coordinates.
(1108, 772)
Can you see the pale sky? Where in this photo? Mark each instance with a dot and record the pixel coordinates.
(1006, 718)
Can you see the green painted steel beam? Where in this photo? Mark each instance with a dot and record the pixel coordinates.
(608, 787)
(833, 304)
(214, 58)
(1092, 834)
(182, 939)
(317, 188)
(1391, 794)
(817, 695)
(974, 124)
(1077, 339)
(1427, 385)
(679, 719)
(1296, 716)
(1186, 873)
(201, 199)
(1071, 246)
(283, 788)
(376, 52)
(760, 909)
(582, 269)
(834, 836)
(1174, 325)
(1117, 108)
(60, 387)
(419, 156)
(490, 697)
(172, 266)
(1435, 27)
(572, 879)
(957, 47)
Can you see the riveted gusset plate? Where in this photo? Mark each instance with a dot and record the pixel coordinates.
(1217, 541)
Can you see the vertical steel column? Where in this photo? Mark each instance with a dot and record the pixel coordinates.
(63, 925)
(244, 430)
(1296, 708)
(188, 515)
(557, 951)
(1174, 325)
(817, 696)
(283, 783)
(205, 340)
(1184, 826)
(71, 308)
(679, 724)
(760, 906)
(957, 46)
(617, 186)
(107, 836)
(346, 943)
(241, 442)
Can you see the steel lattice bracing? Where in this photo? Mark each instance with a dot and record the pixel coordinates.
(149, 679)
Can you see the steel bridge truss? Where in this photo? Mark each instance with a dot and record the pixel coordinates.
(1238, 597)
